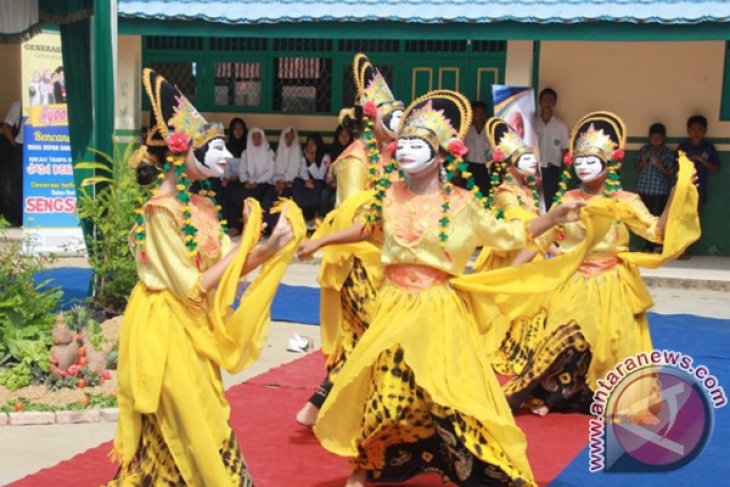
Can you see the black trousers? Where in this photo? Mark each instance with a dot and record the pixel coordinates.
(480, 173)
(550, 180)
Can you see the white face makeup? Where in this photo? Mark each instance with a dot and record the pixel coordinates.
(588, 168)
(527, 164)
(414, 155)
(394, 122)
(216, 158)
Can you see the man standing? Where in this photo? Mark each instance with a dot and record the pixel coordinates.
(553, 140)
(479, 152)
(11, 166)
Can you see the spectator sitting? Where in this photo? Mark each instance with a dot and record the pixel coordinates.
(704, 155)
(230, 183)
(656, 165)
(288, 161)
(308, 187)
(256, 171)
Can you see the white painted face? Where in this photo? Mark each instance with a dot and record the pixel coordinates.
(414, 155)
(394, 121)
(527, 164)
(215, 160)
(589, 168)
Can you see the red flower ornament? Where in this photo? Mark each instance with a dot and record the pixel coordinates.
(618, 155)
(458, 148)
(370, 109)
(178, 142)
(568, 159)
(498, 155)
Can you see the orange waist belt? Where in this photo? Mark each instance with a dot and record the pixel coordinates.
(595, 265)
(413, 277)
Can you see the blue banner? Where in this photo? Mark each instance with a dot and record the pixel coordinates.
(49, 197)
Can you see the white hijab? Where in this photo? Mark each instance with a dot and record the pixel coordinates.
(288, 159)
(258, 158)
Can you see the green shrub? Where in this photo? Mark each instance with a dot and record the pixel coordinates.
(26, 310)
(110, 211)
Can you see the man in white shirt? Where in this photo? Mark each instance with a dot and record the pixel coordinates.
(479, 154)
(553, 139)
(11, 165)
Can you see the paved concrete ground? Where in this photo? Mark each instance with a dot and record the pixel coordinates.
(26, 449)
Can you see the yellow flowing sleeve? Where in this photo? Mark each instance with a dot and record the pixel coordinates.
(352, 177)
(499, 234)
(683, 224)
(168, 265)
(337, 263)
(520, 291)
(637, 217)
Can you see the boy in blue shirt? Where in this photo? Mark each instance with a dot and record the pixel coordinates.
(702, 153)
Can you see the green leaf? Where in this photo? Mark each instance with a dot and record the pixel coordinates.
(96, 180)
(94, 166)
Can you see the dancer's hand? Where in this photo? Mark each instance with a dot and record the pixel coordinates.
(307, 249)
(566, 212)
(282, 233)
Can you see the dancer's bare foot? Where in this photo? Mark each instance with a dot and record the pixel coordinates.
(307, 416)
(357, 479)
(541, 411)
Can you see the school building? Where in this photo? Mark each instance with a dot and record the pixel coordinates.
(277, 63)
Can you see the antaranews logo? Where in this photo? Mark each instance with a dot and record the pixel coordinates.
(652, 412)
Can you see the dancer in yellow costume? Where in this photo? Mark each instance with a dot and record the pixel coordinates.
(598, 317)
(349, 278)
(418, 394)
(514, 198)
(179, 329)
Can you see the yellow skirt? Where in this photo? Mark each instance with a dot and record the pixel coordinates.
(425, 345)
(593, 323)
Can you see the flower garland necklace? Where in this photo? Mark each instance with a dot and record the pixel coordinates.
(532, 185)
(178, 143)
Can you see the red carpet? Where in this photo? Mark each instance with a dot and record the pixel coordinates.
(280, 453)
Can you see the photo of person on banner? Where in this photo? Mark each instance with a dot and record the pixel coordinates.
(516, 106)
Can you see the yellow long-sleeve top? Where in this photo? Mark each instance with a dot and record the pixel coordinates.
(632, 216)
(411, 230)
(165, 263)
(351, 171)
(516, 203)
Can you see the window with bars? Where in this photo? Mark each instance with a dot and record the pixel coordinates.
(349, 90)
(182, 74)
(303, 84)
(237, 84)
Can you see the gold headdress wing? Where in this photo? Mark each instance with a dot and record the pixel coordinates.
(505, 140)
(171, 111)
(438, 117)
(372, 86)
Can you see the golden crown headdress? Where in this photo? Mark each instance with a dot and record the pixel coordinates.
(172, 111)
(372, 86)
(601, 134)
(440, 117)
(506, 142)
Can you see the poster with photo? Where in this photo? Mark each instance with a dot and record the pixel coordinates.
(49, 195)
(516, 106)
